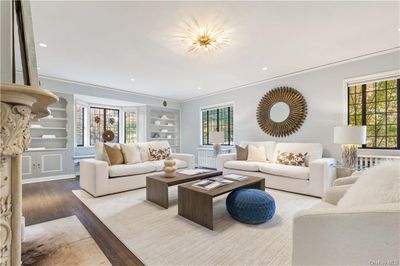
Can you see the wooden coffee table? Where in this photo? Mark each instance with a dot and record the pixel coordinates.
(157, 185)
(196, 204)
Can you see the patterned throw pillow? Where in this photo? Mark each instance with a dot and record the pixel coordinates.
(291, 158)
(159, 154)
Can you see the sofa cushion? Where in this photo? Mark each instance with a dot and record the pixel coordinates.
(242, 153)
(159, 165)
(243, 165)
(100, 152)
(131, 153)
(256, 154)
(159, 150)
(113, 155)
(377, 185)
(291, 158)
(297, 172)
(144, 152)
(268, 146)
(314, 150)
(121, 170)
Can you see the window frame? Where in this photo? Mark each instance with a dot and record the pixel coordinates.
(83, 125)
(104, 119)
(124, 124)
(363, 81)
(218, 106)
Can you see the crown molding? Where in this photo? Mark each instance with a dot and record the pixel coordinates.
(311, 69)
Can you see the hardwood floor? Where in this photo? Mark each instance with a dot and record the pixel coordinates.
(51, 200)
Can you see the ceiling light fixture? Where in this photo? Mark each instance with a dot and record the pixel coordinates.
(265, 68)
(42, 45)
(132, 79)
(199, 88)
(38, 68)
(203, 37)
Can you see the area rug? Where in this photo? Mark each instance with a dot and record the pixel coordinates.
(160, 236)
(60, 242)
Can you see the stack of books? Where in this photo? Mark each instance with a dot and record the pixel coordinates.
(210, 184)
(236, 177)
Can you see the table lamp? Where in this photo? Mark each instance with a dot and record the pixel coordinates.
(350, 137)
(216, 138)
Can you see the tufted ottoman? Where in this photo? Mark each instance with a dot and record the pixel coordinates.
(250, 206)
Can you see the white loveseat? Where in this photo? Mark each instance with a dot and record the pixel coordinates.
(99, 178)
(363, 234)
(312, 179)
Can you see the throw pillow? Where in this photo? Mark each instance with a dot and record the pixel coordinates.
(159, 150)
(256, 154)
(241, 153)
(131, 153)
(377, 185)
(113, 155)
(291, 158)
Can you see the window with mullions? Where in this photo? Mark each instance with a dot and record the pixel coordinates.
(375, 105)
(102, 119)
(130, 127)
(217, 119)
(79, 125)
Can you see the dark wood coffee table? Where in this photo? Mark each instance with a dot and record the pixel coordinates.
(196, 204)
(157, 185)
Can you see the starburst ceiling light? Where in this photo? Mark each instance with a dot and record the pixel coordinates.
(206, 37)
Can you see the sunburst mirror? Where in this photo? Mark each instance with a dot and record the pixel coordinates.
(281, 111)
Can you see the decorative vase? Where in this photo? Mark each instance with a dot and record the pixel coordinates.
(169, 167)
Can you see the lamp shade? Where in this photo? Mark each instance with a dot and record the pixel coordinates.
(216, 137)
(350, 135)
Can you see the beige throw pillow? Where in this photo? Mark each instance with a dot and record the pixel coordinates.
(113, 155)
(256, 154)
(131, 153)
(241, 153)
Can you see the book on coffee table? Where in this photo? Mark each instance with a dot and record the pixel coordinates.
(210, 184)
(236, 177)
(194, 171)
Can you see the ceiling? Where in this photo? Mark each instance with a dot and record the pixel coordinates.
(108, 43)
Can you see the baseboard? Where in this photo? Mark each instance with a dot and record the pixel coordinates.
(47, 178)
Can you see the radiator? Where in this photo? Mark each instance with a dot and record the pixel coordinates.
(206, 157)
(366, 161)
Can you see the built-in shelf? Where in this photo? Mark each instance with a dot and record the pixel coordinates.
(165, 139)
(48, 149)
(164, 119)
(54, 118)
(162, 125)
(47, 128)
(37, 138)
(57, 109)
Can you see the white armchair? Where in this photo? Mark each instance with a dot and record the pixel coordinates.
(328, 234)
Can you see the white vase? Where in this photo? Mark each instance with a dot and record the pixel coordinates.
(169, 167)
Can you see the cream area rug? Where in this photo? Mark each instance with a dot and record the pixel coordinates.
(60, 242)
(160, 236)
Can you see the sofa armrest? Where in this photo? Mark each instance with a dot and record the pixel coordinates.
(222, 158)
(345, 180)
(189, 158)
(334, 194)
(361, 235)
(322, 174)
(94, 176)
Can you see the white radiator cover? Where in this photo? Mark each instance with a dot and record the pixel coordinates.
(366, 161)
(206, 157)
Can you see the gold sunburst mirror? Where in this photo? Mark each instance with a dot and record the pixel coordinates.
(281, 111)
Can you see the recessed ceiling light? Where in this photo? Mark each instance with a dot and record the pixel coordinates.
(398, 29)
(264, 68)
(199, 88)
(38, 68)
(42, 45)
(132, 79)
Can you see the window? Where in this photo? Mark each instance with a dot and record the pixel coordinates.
(79, 125)
(130, 127)
(375, 104)
(102, 119)
(217, 119)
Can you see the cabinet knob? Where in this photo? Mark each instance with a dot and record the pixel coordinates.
(38, 165)
(34, 166)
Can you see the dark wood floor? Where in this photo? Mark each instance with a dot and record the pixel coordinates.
(51, 200)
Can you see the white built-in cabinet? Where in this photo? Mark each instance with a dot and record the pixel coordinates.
(49, 152)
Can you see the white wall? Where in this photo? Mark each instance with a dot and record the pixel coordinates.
(322, 89)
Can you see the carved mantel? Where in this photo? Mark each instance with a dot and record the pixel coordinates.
(20, 104)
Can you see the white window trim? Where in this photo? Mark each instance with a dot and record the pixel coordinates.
(215, 106)
(395, 74)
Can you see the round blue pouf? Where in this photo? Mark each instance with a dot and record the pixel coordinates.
(250, 206)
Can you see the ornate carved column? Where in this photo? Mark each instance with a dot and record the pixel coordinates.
(19, 105)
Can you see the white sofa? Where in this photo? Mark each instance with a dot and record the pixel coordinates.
(330, 234)
(312, 179)
(98, 178)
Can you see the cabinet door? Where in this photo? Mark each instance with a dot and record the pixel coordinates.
(28, 165)
(50, 164)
